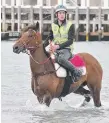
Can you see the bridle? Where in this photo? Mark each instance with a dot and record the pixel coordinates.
(31, 49)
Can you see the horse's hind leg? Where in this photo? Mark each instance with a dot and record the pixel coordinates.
(85, 93)
(97, 101)
(96, 96)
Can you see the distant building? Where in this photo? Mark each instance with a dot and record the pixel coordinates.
(104, 3)
(29, 2)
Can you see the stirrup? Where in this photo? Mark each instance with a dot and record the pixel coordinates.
(75, 78)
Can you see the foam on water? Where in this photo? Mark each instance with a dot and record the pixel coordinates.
(67, 104)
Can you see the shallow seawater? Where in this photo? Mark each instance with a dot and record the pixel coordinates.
(20, 105)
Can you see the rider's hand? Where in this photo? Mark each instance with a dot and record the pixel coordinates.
(54, 48)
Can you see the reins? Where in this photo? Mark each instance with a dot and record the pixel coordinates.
(40, 63)
(31, 49)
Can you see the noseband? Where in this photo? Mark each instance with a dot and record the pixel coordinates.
(32, 49)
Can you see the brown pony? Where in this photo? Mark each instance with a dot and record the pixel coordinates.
(44, 83)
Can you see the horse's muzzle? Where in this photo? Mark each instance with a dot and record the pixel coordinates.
(18, 49)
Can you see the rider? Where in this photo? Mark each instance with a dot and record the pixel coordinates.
(62, 34)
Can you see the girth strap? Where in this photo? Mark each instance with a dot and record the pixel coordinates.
(67, 83)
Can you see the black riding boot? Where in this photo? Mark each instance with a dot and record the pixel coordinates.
(74, 71)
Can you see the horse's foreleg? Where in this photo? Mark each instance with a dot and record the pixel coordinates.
(47, 98)
(34, 86)
(37, 91)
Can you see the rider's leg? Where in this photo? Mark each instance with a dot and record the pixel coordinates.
(63, 60)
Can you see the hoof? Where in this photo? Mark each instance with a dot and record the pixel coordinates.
(84, 103)
(60, 98)
(87, 99)
(98, 105)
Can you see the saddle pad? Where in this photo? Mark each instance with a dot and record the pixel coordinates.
(77, 61)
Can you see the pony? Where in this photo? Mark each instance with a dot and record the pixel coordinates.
(45, 84)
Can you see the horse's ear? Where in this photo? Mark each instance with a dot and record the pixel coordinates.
(37, 26)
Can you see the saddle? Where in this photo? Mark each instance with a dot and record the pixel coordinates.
(76, 60)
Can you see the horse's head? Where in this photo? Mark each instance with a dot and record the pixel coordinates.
(30, 39)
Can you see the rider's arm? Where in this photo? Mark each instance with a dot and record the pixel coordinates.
(70, 38)
(50, 37)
